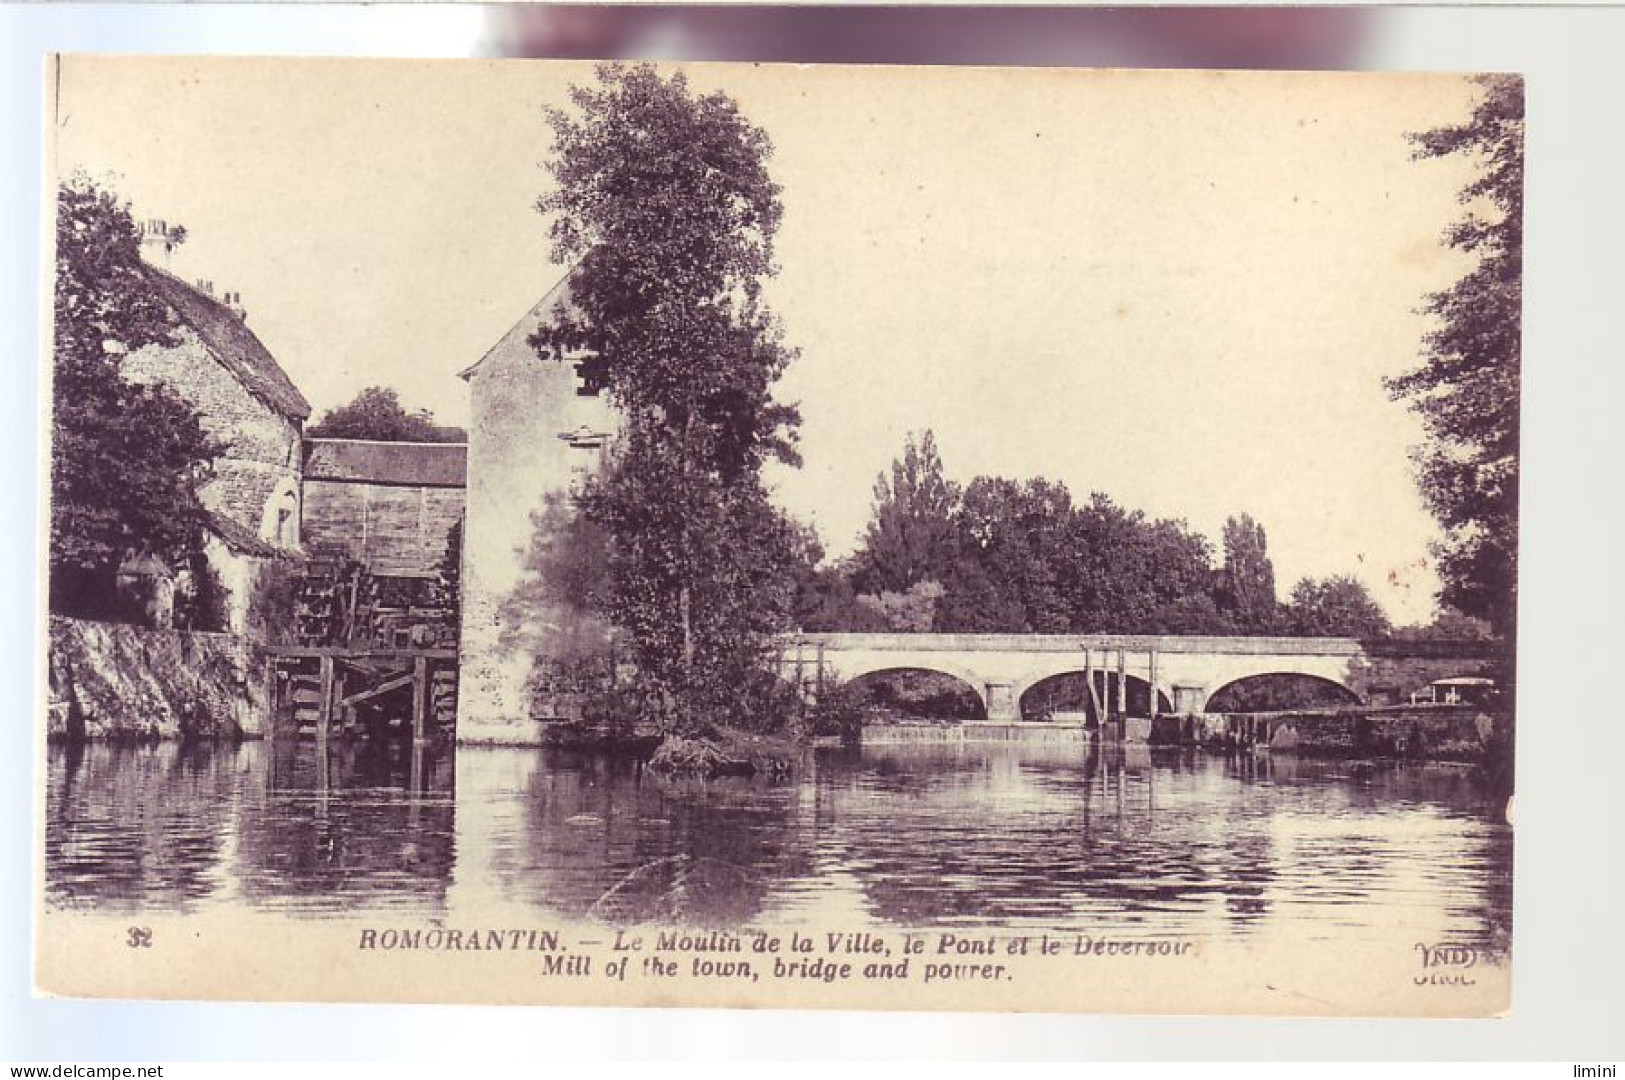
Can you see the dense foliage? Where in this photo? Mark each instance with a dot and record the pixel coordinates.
(1466, 388)
(1247, 579)
(910, 538)
(126, 458)
(377, 413)
(1337, 606)
(1007, 556)
(664, 205)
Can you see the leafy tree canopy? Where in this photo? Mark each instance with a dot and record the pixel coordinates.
(1337, 606)
(1247, 579)
(1448, 625)
(126, 458)
(664, 205)
(912, 612)
(911, 536)
(1466, 387)
(1008, 556)
(376, 413)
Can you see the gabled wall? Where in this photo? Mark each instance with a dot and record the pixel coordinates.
(520, 474)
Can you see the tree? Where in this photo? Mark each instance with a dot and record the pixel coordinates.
(664, 205)
(1011, 538)
(1338, 606)
(1448, 625)
(913, 611)
(376, 413)
(826, 601)
(1466, 388)
(1124, 574)
(1247, 579)
(975, 602)
(910, 537)
(823, 598)
(126, 458)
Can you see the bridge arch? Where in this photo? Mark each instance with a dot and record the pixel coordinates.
(1068, 691)
(919, 693)
(1279, 691)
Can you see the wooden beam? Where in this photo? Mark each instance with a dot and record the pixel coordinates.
(1122, 682)
(378, 669)
(408, 679)
(324, 707)
(339, 712)
(294, 651)
(420, 700)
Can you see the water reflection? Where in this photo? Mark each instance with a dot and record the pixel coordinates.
(598, 835)
(374, 828)
(929, 834)
(1046, 836)
(124, 824)
(175, 827)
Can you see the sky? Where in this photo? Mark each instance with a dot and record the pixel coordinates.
(1180, 289)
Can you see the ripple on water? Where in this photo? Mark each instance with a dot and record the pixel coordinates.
(1040, 837)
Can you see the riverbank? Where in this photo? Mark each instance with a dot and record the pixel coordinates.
(1423, 732)
(116, 682)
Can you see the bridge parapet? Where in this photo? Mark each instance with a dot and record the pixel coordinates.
(1076, 643)
(1184, 670)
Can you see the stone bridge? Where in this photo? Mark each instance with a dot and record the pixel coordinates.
(1186, 671)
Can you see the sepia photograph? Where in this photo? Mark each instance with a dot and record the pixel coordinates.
(797, 536)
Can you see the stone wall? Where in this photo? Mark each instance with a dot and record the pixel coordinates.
(1436, 734)
(1389, 673)
(261, 446)
(115, 681)
(237, 573)
(1431, 733)
(393, 530)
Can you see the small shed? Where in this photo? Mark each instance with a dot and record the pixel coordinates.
(1461, 690)
(146, 587)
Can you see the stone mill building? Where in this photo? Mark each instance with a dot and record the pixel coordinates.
(536, 429)
(249, 406)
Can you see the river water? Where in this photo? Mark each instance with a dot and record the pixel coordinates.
(924, 834)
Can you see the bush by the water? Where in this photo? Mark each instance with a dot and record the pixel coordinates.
(722, 752)
(840, 711)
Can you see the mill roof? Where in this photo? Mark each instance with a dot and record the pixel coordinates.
(243, 540)
(229, 338)
(555, 299)
(365, 461)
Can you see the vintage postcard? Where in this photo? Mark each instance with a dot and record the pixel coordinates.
(774, 536)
